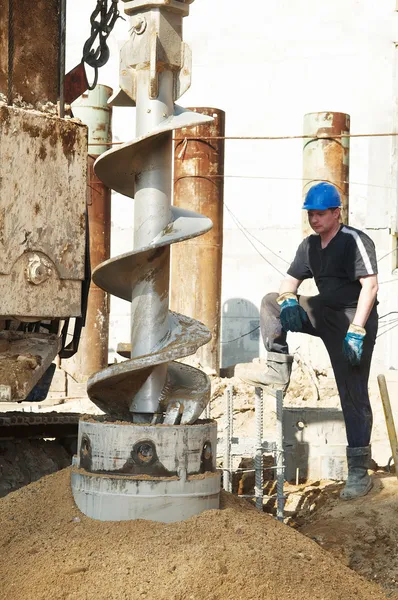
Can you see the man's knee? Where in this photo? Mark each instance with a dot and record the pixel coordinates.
(269, 303)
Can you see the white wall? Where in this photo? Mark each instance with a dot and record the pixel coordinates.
(267, 64)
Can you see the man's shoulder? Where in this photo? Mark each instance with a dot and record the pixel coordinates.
(311, 241)
(356, 235)
(306, 243)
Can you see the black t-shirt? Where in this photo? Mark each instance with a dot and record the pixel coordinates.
(336, 269)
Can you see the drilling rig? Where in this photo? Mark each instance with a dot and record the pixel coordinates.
(150, 457)
(44, 272)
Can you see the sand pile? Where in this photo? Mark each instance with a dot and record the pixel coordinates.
(48, 549)
(362, 534)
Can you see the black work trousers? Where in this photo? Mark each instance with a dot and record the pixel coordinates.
(331, 326)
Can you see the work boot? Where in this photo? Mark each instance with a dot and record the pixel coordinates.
(274, 373)
(358, 483)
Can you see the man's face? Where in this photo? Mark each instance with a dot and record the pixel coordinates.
(323, 221)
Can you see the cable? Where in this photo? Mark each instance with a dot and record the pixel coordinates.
(388, 254)
(383, 332)
(254, 246)
(392, 312)
(324, 136)
(241, 336)
(278, 137)
(253, 236)
(382, 325)
(388, 281)
(388, 324)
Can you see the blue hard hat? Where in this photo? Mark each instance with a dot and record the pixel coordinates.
(322, 196)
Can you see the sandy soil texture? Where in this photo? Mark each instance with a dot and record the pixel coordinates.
(48, 549)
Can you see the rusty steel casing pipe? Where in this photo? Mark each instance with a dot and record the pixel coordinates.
(93, 110)
(326, 158)
(197, 265)
(143, 459)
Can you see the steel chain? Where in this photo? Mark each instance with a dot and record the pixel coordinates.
(98, 57)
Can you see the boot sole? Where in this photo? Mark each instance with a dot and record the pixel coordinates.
(264, 386)
(366, 491)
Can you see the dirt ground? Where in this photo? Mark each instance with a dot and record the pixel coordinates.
(362, 533)
(48, 549)
(59, 553)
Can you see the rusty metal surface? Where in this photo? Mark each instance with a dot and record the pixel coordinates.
(93, 347)
(24, 358)
(36, 53)
(92, 355)
(196, 266)
(43, 174)
(146, 388)
(326, 159)
(95, 337)
(75, 83)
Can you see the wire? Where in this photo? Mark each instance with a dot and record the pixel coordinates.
(256, 238)
(388, 281)
(275, 137)
(387, 324)
(382, 325)
(388, 254)
(249, 240)
(241, 336)
(392, 312)
(324, 136)
(387, 331)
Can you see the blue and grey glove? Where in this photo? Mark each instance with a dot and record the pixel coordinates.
(353, 344)
(293, 317)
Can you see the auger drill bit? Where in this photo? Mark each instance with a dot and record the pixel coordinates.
(149, 387)
(150, 457)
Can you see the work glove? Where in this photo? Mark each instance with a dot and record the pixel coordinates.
(292, 316)
(353, 344)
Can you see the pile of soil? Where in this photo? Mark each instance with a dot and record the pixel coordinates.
(362, 534)
(24, 461)
(50, 550)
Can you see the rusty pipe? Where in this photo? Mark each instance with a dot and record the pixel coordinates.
(196, 266)
(326, 159)
(94, 342)
(93, 110)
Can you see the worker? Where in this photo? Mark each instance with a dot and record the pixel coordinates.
(343, 314)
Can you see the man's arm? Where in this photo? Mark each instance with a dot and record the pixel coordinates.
(366, 299)
(353, 341)
(289, 285)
